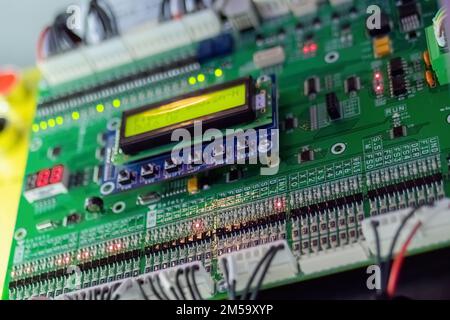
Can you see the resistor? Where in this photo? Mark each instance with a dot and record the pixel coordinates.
(426, 59)
(430, 79)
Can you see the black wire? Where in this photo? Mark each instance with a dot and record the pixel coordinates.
(255, 292)
(165, 14)
(387, 267)
(174, 292)
(195, 285)
(178, 284)
(112, 17)
(375, 225)
(141, 289)
(152, 286)
(106, 17)
(161, 289)
(188, 281)
(230, 286)
(113, 289)
(252, 278)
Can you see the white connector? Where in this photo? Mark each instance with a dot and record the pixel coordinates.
(148, 286)
(241, 14)
(269, 57)
(334, 258)
(435, 227)
(107, 55)
(269, 9)
(151, 40)
(301, 8)
(242, 264)
(66, 67)
(140, 43)
(202, 25)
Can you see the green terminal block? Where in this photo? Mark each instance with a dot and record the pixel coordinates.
(439, 59)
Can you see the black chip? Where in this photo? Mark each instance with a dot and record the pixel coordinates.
(306, 156)
(309, 36)
(352, 84)
(103, 262)
(289, 123)
(399, 132)
(117, 257)
(128, 255)
(111, 259)
(396, 67)
(385, 27)
(408, 9)
(346, 26)
(333, 106)
(234, 175)
(311, 86)
(12, 284)
(136, 253)
(399, 86)
(317, 22)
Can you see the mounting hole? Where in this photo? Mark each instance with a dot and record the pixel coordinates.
(338, 148)
(119, 207)
(107, 188)
(20, 234)
(448, 119)
(332, 57)
(113, 124)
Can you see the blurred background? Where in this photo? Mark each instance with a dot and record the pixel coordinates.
(24, 27)
(18, 42)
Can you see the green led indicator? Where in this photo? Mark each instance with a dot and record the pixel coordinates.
(116, 103)
(100, 108)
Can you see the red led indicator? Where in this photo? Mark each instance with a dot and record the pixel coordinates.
(43, 178)
(57, 174)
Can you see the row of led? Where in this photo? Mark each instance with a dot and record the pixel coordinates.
(200, 78)
(59, 121)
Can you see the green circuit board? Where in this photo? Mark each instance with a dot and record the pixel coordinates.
(345, 167)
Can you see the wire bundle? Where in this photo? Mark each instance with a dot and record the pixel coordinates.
(102, 13)
(174, 9)
(248, 293)
(159, 286)
(59, 38)
(390, 273)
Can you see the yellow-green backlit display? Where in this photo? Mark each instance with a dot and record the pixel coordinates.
(185, 110)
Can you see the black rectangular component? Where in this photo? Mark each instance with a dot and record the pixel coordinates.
(333, 107)
(409, 15)
(408, 9)
(384, 29)
(396, 67)
(399, 86)
(352, 84)
(135, 143)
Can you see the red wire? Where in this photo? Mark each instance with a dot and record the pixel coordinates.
(398, 262)
(40, 44)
